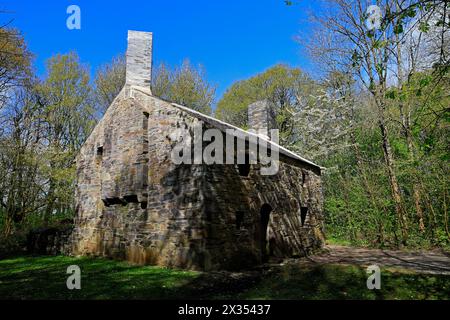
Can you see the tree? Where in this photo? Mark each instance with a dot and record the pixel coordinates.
(17, 163)
(289, 89)
(324, 124)
(385, 67)
(67, 120)
(15, 61)
(185, 85)
(109, 80)
(20, 159)
(45, 123)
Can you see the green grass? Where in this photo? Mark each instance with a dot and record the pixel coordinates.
(348, 282)
(45, 278)
(338, 241)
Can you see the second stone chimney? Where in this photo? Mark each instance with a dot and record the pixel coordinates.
(139, 59)
(261, 117)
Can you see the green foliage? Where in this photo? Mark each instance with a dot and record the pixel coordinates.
(390, 187)
(398, 28)
(15, 62)
(185, 85)
(109, 80)
(361, 211)
(283, 85)
(46, 122)
(66, 98)
(424, 27)
(68, 113)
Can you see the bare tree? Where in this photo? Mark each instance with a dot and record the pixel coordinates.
(109, 80)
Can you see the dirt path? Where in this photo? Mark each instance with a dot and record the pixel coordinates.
(434, 262)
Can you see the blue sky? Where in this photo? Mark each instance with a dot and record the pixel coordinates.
(232, 39)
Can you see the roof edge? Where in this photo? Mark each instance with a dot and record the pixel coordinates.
(214, 121)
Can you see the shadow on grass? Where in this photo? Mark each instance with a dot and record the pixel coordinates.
(342, 282)
(44, 277)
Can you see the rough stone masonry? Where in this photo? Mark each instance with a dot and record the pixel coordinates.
(134, 203)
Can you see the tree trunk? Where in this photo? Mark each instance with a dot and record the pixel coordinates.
(7, 229)
(395, 189)
(406, 123)
(416, 194)
(367, 187)
(412, 157)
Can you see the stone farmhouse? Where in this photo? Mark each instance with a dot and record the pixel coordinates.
(134, 203)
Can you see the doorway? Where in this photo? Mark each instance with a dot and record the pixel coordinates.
(265, 211)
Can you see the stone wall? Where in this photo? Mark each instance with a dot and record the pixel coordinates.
(129, 209)
(51, 240)
(230, 197)
(139, 59)
(134, 203)
(261, 116)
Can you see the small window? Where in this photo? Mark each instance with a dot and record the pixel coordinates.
(244, 169)
(145, 136)
(113, 201)
(303, 213)
(239, 219)
(132, 198)
(99, 155)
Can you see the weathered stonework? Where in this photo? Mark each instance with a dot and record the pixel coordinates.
(134, 203)
(261, 116)
(139, 58)
(51, 240)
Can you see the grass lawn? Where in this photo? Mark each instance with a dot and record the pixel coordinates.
(348, 282)
(45, 277)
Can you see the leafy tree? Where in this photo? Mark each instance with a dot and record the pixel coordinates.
(15, 61)
(45, 123)
(185, 85)
(17, 165)
(289, 89)
(67, 120)
(20, 159)
(109, 80)
(388, 67)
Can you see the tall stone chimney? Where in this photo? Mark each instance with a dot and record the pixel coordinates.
(139, 59)
(261, 117)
